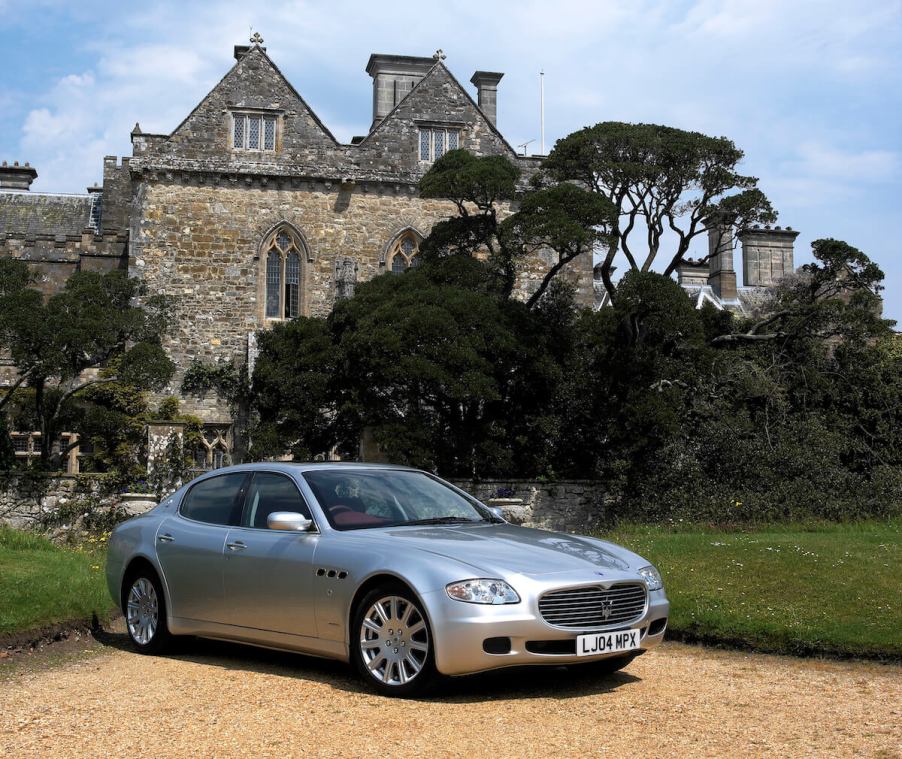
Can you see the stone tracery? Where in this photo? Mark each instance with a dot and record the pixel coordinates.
(403, 252)
(283, 274)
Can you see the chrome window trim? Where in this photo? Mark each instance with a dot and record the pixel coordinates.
(254, 473)
(477, 504)
(193, 485)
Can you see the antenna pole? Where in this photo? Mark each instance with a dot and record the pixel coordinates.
(542, 107)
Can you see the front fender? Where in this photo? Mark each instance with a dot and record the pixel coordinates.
(343, 565)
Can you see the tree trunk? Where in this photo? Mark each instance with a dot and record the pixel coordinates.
(44, 426)
(606, 265)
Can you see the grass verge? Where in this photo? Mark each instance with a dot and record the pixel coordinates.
(828, 589)
(42, 584)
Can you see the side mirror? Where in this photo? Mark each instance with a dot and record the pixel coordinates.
(288, 520)
(497, 511)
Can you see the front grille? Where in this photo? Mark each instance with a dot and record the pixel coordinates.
(593, 606)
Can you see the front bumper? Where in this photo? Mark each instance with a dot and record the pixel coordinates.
(460, 630)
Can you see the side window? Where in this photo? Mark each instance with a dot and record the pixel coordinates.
(271, 492)
(216, 501)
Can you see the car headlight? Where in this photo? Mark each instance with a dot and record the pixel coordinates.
(652, 577)
(483, 591)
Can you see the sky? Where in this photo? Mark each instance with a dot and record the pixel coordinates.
(811, 90)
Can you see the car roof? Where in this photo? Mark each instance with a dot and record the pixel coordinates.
(309, 466)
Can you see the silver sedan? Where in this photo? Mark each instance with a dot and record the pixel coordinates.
(392, 569)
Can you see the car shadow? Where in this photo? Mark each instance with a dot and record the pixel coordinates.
(513, 683)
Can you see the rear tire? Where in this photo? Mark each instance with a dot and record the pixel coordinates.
(391, 644)
(144, 606)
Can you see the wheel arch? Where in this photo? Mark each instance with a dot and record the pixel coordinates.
(374, 581)
(134, 566)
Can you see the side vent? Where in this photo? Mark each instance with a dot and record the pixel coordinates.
(339, 574)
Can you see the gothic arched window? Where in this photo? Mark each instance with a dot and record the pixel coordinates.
(273, 286)
(402, 254)
(283, 275)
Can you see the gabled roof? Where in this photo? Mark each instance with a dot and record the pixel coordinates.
(255, 50)
(437, 68)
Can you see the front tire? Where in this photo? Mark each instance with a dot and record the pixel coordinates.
(145, 613)
(391, 643)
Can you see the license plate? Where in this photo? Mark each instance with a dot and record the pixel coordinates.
(594, 644)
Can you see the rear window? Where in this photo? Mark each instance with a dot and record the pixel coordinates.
(216, 501)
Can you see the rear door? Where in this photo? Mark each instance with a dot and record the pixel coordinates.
(190, 546)
(268, 574)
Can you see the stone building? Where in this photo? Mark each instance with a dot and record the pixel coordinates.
(767, 257)
(251, 212)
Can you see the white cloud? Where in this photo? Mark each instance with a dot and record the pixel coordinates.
(854, 166)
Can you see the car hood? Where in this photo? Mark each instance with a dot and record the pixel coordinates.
(498, 549)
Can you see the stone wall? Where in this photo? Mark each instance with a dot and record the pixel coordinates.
(63, 505)
(58, 504)
(201, 245)
(565, 505)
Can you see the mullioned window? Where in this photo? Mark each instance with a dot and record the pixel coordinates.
(283, 276)
(436, 141)
(254, 131)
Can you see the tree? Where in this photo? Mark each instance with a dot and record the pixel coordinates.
(441, 372)
(230, 382)
(294, 390)
(835, 297)
(93, 323)
(662, 181)
(565, 219)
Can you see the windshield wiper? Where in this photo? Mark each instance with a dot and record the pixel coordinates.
(441, 520)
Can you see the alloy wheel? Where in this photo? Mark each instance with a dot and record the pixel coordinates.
(143, 612)
(394, 640)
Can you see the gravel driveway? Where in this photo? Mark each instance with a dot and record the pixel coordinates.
(213, 699)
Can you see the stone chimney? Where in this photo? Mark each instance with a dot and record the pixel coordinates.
(692, 273)
(767, 255)
(17, 177)
(487, 93)
(721, 275)
(393, 77)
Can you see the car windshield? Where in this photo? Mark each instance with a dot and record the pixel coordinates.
(354, 499)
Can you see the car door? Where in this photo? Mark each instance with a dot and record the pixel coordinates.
(268, 574)
(190, 546)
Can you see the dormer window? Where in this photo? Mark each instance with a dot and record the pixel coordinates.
(436, 141)
(253, 131)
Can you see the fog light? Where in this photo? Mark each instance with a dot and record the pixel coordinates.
(657, 626)
(497, 645)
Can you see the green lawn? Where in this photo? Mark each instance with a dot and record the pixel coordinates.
(41, 584)
(834, 589)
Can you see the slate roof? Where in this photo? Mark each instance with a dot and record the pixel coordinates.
(28, 214)
(749, 301)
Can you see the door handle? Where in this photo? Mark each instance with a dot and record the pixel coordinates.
(165, 538)
(236, 546)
